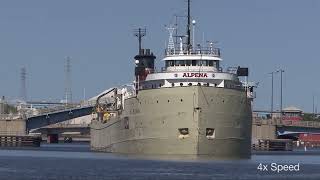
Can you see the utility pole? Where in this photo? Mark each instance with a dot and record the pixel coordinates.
(84, 94)
(272, 74)
(23, 90)
(281, 92)
(313, 109)
(281, 71)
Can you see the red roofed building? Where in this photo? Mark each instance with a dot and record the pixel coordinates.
(291, 113)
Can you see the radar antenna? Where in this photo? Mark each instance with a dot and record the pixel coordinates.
(141, 32)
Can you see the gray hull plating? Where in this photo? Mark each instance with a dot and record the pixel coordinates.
(151, 121)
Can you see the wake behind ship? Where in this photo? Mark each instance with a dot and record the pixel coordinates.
(190, 107)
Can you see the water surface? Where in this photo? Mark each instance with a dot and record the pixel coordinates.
(75, 161)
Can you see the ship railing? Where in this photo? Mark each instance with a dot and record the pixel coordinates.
(187, 68)
(208, 51)
(230, 70)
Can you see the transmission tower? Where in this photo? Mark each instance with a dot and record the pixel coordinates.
(23, 88)
(68, 91)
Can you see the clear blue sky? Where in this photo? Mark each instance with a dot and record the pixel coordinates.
(263, 35)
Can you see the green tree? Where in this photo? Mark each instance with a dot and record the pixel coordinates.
(10, 109)
(310, 117)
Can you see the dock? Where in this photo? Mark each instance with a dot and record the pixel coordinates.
(19, 141)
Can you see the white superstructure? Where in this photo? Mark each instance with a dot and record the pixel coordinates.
(198, 66)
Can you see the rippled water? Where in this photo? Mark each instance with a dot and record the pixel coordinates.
(75, 161)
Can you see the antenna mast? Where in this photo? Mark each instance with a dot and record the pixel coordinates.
(189, 28)
(140, 33)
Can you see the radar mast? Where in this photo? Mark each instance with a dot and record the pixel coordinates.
(141, 32)
(189, 28)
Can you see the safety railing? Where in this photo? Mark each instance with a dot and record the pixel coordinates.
(279, 122)
(209, 51)
(63, 125)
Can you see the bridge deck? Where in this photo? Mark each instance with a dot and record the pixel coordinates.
(46, 119)
(279, 122)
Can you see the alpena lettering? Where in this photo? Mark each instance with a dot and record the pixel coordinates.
(195, 75)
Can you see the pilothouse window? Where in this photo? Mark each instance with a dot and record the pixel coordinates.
(180, 63)
(202, 63)
(216, 64)
(213, 63)
(169, 63)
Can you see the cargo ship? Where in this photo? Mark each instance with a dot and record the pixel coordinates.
(192, 106)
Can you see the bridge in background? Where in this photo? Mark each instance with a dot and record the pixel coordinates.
(47, 123)
(49, 118)
(51, 128)
(274, 128)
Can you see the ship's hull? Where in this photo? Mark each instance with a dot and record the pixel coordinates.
(155, 122)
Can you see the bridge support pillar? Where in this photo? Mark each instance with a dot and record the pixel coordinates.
(263, 131)
(52, 138)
